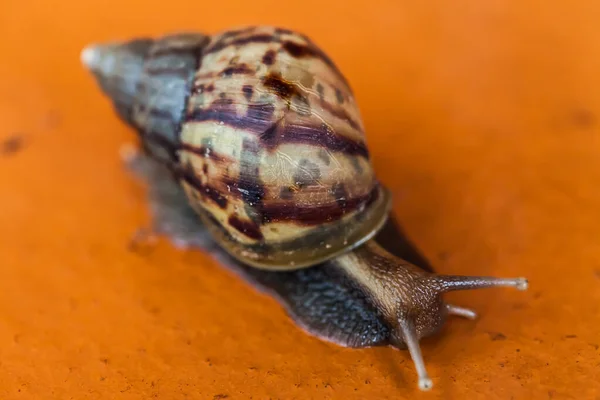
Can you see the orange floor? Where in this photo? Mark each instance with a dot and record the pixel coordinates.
(484, 120)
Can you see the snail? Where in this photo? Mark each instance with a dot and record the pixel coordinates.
(263, 151)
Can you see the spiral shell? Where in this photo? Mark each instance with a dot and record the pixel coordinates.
(269, 144)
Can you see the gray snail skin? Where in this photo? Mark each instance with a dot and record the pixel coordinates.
(254, 149)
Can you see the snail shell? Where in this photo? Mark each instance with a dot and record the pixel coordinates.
(263, 136)
(270, 148)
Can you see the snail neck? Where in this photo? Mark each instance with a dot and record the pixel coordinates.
(395, 286)
(410, 298)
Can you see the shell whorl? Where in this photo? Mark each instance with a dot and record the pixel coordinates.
(263, 132)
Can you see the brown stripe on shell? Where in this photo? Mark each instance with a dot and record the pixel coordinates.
(342, 114)
(251, 190)
(229, 34)
(238, 69)
(321, 136)
(258, 121)
(260, 113)
(270, 137)
(248, 228)
(187, 174)
(221, 44)
(314, 215)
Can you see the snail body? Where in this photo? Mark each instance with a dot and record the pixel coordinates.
(260, 132)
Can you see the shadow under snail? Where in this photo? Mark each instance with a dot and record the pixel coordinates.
(253, 148)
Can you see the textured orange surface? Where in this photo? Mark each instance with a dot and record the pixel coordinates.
(482, 117)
